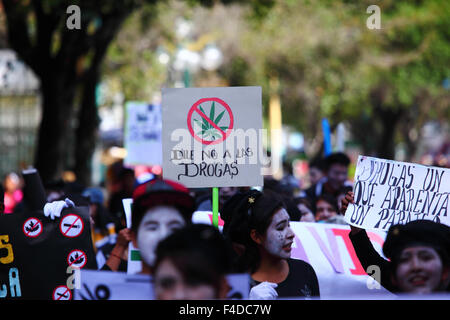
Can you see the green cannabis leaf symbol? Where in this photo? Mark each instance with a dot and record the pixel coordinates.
(207, 130)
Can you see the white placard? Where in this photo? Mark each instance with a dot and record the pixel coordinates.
(212, 137)
(391, 192)
(142, 138)
(134, 263)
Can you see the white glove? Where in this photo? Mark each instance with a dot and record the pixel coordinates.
(53, 209)
(264, 291)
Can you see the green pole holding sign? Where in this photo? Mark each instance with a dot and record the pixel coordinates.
(215, 206)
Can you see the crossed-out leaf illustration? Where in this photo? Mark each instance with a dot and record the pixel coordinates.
(79, 259)
(206, 129)
(32, 227)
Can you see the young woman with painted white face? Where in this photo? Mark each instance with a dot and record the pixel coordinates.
(260, 224)
(420, 270)
(160, 207)
(418, 253)
(157, 224)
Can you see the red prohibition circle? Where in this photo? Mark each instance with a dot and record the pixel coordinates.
(194, 108)
(65, 234)
(82, 254)
(28, 233)
(67, 290)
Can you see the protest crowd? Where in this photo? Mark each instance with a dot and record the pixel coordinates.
(191, 260)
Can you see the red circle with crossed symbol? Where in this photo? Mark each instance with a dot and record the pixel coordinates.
(194, 108)
(71, 226)
(62, 293)
(32, 227)
(77, 259)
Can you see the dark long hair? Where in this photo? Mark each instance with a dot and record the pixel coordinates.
(244, 212)
(199, 252)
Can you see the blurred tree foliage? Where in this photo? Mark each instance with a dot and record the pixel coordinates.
(383, 84)
(68, 63)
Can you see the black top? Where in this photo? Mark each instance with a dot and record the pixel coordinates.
(300, 282)
(367, 256)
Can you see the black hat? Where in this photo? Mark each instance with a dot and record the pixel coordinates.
(423, 232)
(161, 192)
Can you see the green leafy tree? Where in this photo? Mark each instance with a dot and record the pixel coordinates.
(68, 63)
(385, 84)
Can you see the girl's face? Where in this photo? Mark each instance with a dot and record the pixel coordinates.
(324, 210)
(171, 285)
(279, 236)
(157, 223)
(315, 175)
(420, 270)
(307, 215)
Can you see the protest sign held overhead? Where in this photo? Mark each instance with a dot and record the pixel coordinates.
(212, 136)
(142, 138)
(390, 192)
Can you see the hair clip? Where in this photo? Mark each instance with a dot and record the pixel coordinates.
(251, 201)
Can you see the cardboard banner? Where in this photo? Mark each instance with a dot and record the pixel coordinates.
(391, 192)
(106, 285)
(39, 256)
(142, 138)
(211, 136)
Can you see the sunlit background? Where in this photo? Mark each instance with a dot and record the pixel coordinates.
(382, 92)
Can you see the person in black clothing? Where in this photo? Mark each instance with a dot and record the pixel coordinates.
(336, 169)
(120, 185)
(258, 226)
(2, 195)
(419, 254)
(316, 170)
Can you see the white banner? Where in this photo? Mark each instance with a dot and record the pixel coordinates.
(134, 264)
(390, 192)
(142, 138)
(107, 285)
(328, 249)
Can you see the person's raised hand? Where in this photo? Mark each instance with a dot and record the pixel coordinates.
(123, 237)
(349, 198)
(264, 291)
(54, 209)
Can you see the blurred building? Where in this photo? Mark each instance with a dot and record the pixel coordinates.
(20, 113)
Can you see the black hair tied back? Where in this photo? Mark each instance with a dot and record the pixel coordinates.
(244, 212)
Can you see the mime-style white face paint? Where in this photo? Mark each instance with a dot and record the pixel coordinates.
(279, 236)
(157, 224)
